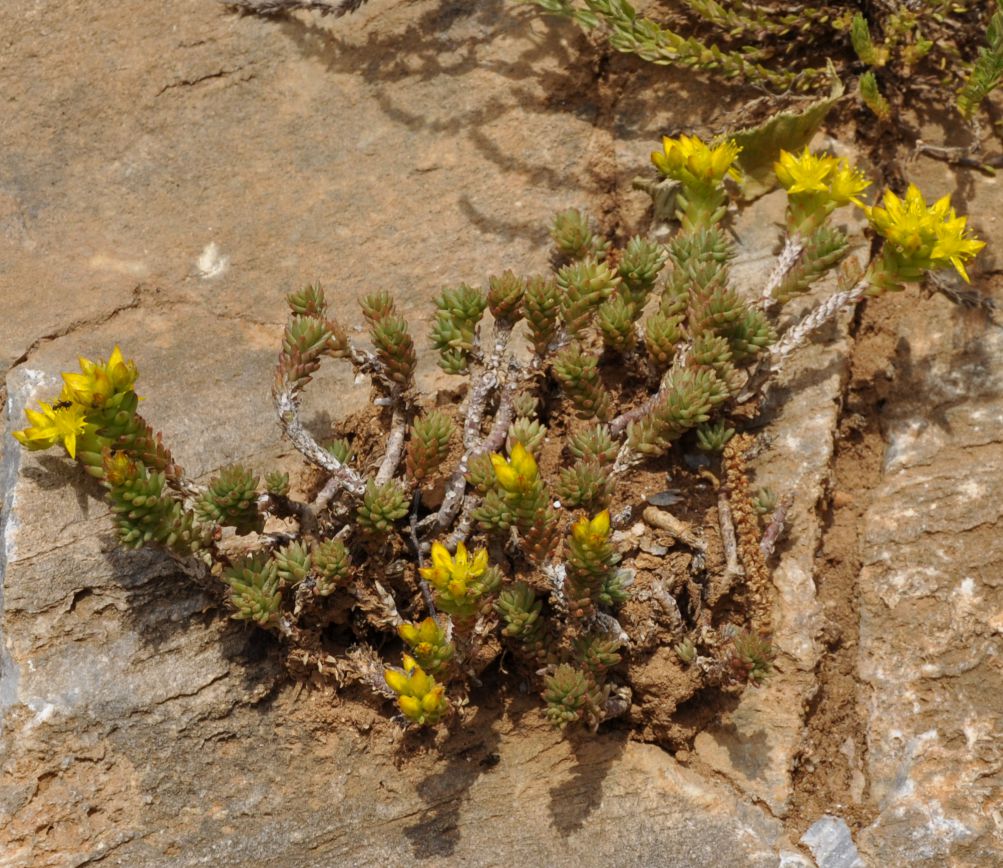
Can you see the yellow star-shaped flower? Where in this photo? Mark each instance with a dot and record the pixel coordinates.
(64, 421)
(517, 474)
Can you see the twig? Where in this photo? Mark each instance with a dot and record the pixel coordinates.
(464, 523)
(288, 412)
(453, 498)
(674, 527)
(395, 444)
(776, 525)
(733, 567)
(426, 592)
(273, 8)
(787, 259)
(799, 333)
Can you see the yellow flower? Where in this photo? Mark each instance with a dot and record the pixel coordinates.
(424, 638)
(846, 184)
(820, 173)
(99, 382)
(807, 173)
(452, 574)
(63, 422)
(419, 697)
(519, 473)
(592, 532)
(689, 158)
(952, 246)
(925, 236)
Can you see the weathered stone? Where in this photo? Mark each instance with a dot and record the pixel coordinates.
(831, 844)
(931, 598)
(173, 173)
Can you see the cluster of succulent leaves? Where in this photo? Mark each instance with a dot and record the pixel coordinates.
(892, 47)
(605, 364)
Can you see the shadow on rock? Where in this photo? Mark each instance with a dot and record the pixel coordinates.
(469, 754)
(573, 801)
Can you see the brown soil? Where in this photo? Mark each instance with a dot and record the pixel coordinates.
(829, 775)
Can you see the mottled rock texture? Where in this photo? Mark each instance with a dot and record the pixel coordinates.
(932, 584)
(170, 172)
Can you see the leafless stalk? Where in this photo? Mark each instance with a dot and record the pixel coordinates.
(288, 412)
(674, 527)
(395, 445)
(453, 499)
(464, 523)
(620, 423)
(732, 565)
(426, 591)
(798, 334)
(273, 8)
(776, 525)
(788, 258)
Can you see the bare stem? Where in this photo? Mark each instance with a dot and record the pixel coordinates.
(677, 529)
(288, 412)
(776, 525)
(272, 8)
(788, 258)
(620, 423)
(800, 333)
(732, 565)
(395, 445)
(464, 523)
(472, 443)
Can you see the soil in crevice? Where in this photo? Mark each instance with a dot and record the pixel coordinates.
(830, 777)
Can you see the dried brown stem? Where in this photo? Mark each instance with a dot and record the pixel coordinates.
(733, 568)
(675, 528)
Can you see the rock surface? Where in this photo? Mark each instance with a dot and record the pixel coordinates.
(194, 168)
(934, 557)
(171, 174)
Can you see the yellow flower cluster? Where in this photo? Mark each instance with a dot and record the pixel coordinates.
(690, 159)
(592, 533)
(821, 173)
(429, 642)
(453, 576)
(419, 697)
(518, 474)
(460, 582)
(98, 383)
(66, 419)
(924, 236)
